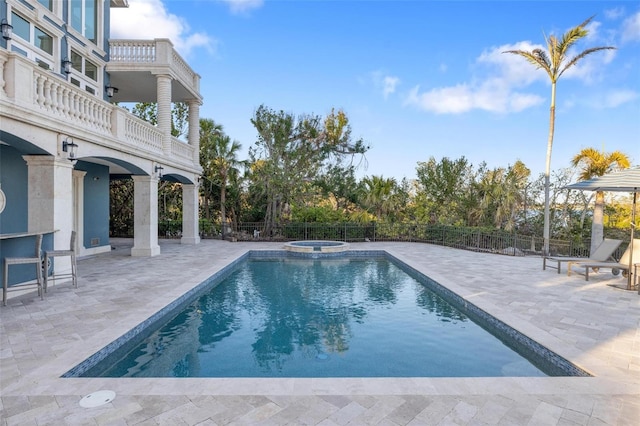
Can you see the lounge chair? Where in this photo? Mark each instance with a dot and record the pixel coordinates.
(602, 253)
(616, 267)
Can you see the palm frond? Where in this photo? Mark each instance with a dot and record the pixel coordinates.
(581, 55)
(537, 57)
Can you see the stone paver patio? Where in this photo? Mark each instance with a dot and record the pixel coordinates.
(594, 324)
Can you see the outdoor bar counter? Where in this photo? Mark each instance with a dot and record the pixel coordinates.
(22, 244)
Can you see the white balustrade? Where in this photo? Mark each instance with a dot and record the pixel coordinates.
(141, 134)
(135, 51)
(52, 94)
(35, 90)
(159, 52)
(184, 71)
(181, 149)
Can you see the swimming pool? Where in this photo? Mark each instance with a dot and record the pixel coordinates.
(354, 315)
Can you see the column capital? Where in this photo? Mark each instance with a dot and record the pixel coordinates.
(47, 160)
(144, 178)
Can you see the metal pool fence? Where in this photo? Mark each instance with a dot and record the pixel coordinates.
(475, 239)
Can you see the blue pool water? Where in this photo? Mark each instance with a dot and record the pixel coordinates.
(333, 317)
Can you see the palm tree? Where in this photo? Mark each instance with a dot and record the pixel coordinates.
(209, 130)
(379, 195)
(555, 62)
(595, 163)
(501, 194)
(224, 160)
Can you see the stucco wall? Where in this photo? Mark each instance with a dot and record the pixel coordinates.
(96, 204)
(13, 178)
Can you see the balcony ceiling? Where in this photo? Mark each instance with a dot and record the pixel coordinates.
(140, 86)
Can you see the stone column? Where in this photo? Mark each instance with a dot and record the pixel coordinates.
(190, 225)
(78, 214)
(194, 129)
(145, 216)
(50, 197)
(163, 87)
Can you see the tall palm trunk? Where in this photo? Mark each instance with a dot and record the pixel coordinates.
(547, 171)
(555, 62)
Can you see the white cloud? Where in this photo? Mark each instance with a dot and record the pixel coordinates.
(631, 28)
(390, 84)
(614, 99)
(492, 95)
(387, 84)
(498, 93)
(511, 68)
(447, 100)
(243, 6)
(501, 82)
(149, 19)
(614, 13)
(601, 100)
(619, 97)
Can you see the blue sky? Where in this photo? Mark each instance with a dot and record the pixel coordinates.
(416, 78)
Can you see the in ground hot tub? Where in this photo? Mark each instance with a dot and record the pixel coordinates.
(316, 246)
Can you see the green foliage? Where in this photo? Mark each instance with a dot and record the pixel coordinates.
(325, 214)
(291, 152)
(121, 208)
(301, 170)
(218, 158)
(148, 111)
(170, 228)
(442, 188)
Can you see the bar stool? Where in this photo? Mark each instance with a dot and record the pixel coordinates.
(37, 260)
(48, 254)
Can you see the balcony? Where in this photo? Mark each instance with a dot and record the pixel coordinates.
(133, 65)
(33, 96)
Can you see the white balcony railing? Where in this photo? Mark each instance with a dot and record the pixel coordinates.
(27, 90)
(139, 133)
(159, 53)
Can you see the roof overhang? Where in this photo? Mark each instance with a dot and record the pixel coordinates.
(119, 3)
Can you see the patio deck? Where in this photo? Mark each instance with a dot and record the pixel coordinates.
(594, 324)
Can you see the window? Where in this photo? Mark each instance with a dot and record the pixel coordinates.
(76, 61)
(84, 66)
(40, 39)
(47, 3)
(85, 72)
(84, 18)
(91, 70)
(32, 41)
(21, 27)
(43, 40)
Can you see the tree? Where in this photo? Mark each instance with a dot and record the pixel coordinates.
(380, 195)
(441, 189)
(500, 193)
(555, 62)
(148, 111)
(224, 161)
(594, 163)
(339, 184)
(291, 150)
(209, 131)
